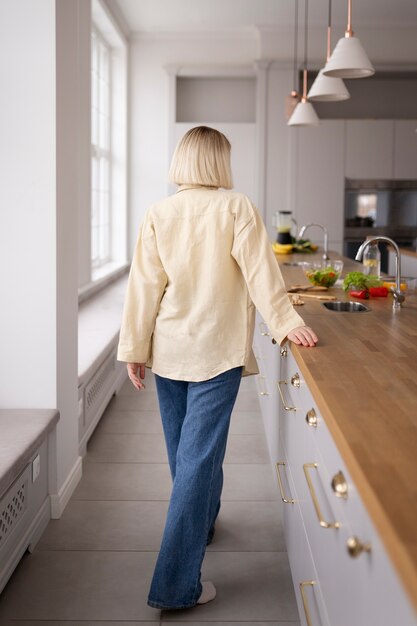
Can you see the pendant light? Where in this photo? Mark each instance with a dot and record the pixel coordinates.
(294, 97)
(328, 88)
(349, 59)
(304, 113)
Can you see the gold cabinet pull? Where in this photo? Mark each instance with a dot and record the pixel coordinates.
(295, 380)
(281, 486)
(355, 547)
(287, 408)
(263, 329)
(339, 485)
(322, 522)
(311, 418)
(284, 351)
(303, 584)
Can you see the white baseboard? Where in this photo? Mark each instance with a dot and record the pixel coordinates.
(60, 500)
(27, 541)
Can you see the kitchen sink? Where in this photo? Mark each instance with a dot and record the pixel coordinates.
(348, 307)
(294, 263)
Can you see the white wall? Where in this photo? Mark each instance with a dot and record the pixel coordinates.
(27, 205)
(149, 110)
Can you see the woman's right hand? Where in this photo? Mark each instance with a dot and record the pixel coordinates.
(132, 370)
(303, 335)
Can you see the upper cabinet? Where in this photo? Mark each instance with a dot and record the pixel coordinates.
(405, 149)
(370, 149)
(319, 182)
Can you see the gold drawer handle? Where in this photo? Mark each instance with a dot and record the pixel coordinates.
(355, 547)
(306, 583)
(339, 485)
(287, 408)
(264, 331)
(295, 380)
(284, 351)
(311, 418)
(281, 486)
(322, 522)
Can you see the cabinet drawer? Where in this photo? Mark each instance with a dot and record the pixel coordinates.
(305, 580)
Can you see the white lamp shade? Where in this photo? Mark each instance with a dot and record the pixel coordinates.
(304, 115)
(349, 60)
(328, 89)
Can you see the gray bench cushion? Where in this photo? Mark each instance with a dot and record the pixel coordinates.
(21, 433)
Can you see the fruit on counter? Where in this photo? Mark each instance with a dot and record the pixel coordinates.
(359, 280)
(363, 294)
(304, 245)
(391, 285)
(378, 292)
(282, 248)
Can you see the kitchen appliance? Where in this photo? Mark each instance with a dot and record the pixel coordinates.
(283, 221)
(380, 207)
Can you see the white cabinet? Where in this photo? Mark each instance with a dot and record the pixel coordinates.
(358, 588)
(319, 181)
(405, 149)
(267, 356)
(369, 149)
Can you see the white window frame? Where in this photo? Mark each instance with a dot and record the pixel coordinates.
(99, 153)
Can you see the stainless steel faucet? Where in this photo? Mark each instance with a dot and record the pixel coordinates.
(396, 292)
(326, 237)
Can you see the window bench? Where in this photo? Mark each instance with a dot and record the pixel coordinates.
(100, 375)
(27, 466)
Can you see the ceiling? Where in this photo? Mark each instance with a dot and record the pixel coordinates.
(150, 16)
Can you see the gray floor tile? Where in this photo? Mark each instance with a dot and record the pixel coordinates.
(251, 586)
(246, 449)
(241, 623)
(140, 400)
(249, 482)
(124, 481)
(124, 448)
(115, 525)
(82, 623)
(249, 527)
(80, 586)
(130, 422)
(246, 423)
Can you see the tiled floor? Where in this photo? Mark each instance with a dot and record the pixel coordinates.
(94, 565)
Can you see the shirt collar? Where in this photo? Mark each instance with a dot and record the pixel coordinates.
(184, 187)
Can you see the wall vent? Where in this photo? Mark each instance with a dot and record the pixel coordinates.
(12, 508)
(97, 388)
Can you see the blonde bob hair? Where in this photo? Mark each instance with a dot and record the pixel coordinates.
(202, 157)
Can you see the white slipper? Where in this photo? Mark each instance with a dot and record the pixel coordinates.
(208, 593)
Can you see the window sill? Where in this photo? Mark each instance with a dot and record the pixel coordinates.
(101, 278)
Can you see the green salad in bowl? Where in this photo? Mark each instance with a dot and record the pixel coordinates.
(323, 274)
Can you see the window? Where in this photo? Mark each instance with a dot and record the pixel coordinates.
(101, 151)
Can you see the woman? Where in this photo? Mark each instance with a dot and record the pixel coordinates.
(202, 262)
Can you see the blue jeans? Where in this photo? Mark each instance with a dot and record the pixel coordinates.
(195, 418)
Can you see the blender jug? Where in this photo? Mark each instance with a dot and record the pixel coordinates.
(283, 222)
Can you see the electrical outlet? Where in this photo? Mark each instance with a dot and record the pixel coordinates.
(36, 467)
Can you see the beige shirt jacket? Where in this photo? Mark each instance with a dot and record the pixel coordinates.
(202, 263)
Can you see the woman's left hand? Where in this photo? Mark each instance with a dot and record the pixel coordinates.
(303, 335)
(132, 370)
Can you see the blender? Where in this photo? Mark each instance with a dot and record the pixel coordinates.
(283, 222)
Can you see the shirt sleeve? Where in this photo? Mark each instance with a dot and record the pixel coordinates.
(252, 251)
(145, 288)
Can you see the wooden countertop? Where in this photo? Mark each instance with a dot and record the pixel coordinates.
(363, 376)
(408, 252)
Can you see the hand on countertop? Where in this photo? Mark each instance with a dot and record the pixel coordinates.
(303, 335)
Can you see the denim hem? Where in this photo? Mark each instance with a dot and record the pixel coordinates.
(158, 605)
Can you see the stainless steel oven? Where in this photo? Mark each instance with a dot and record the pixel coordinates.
(380, 207)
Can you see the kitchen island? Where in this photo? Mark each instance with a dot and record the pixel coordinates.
(362, 378)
